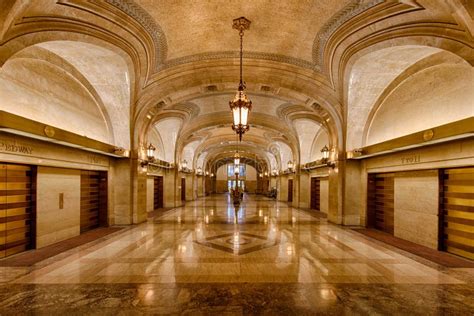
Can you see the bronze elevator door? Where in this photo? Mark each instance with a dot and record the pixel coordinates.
(290, 190)
(315, 193)
(457, 211)
(380, 197)
(17, 208)
(183, 189)
(93, 199)
(158, 193)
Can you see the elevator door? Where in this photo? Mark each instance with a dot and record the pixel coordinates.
(183, 189)
(380, 197)
(17, 208)
(290, 190)
(315, 193)
(158, 193)
(457, 211)
(93, 199)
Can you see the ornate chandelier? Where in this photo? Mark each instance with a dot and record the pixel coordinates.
(241, 105)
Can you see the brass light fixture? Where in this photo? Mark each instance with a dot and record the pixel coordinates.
(150, 155)
(290, 165)
(150, 152)
(236, 159)
(241, 105)
(325, 152)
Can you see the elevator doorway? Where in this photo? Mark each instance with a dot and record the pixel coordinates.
(457, 211)
(17, 208)
(380, 198)
(315, 194)
(290, 190)
(93, 200)
(157, 193)
(183, 189)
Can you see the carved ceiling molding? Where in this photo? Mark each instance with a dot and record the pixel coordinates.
(348, 12)
(235, 54)
(146, 20)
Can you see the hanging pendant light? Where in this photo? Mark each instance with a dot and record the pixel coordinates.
(241, 105)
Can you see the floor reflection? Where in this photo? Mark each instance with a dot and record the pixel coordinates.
(267, 253)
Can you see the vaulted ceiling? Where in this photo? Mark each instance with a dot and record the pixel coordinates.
(160, 71)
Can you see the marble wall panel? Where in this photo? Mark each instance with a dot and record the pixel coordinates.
(150, 185)
(416, 209)
(54, 224)
(324, 195)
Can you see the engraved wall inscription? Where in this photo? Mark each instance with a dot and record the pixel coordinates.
(410, 159)
(15, 147)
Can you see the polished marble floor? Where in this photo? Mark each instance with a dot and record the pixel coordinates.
(263, 258)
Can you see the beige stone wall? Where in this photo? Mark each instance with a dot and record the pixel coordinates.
(283, 193)
(189, 187)
(150, 184)
(55, 224)
(420, 96)
(416, 197)
(121, 193)
(251, 186)
(305, 190)
(416, 209)
(221, 186)
(169, 185)
(324, 195)
(250, 173)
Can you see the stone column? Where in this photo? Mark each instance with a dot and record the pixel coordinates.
(120, 189)
(304, 190)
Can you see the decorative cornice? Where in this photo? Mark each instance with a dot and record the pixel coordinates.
(351, 10)
(235, 54)
(146, 20)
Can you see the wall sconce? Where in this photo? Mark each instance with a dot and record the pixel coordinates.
(150, 152)
(212, 175)
(236, 159)
(199, 171)
(274, 172)
(325, 154)
(184, 165)
(266, 174)
(260, 175)
(207, 173)
(236, 170)
(291, 165)
(150, 155)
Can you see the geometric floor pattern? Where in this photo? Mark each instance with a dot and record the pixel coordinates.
(264, 258)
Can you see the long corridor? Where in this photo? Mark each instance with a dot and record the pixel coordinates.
(264, 257)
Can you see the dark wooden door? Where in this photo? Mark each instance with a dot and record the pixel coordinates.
(93, 200)
(158, 193)
(457, 211)
(380, 197)
(290, 190)
(17, 208)
(315, 193)
(183, 189)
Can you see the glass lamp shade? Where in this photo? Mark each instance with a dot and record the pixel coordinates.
(212, 175)
(240, 107)
(290, 164)
(325, 152)
(236, 159)
(184, 164)
(150, 151)
(266, 173)
(207, 173)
